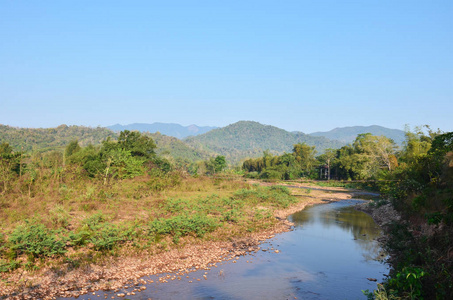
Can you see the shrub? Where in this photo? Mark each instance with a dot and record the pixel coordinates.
(37, 240)
(6, 266)
(183, 225)
(107, 236)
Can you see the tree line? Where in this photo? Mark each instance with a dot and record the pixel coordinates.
(369, 157)
(131, 154)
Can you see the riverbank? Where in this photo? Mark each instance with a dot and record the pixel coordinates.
(420, 254)
(129, 265)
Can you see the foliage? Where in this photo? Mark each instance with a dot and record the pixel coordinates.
(369, 157)
(215, 165)
(183, 225)
(408, 282)
(6, 266)
(136, 143)
(178, 152)
(72, 148)
(37, 240)
(44, 139)
(381, 294)
(300, 163)
(421, 191)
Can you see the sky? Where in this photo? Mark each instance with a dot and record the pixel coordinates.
(299, 65)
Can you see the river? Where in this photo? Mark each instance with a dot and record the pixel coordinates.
(329, 255)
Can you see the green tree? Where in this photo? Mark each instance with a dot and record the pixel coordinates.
(72, 148)
(328, 158)
(305, 157)
(137, 144)
(121, 164)
(9, 163)
(220, 163)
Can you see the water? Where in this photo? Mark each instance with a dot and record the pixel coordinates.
(329, 255)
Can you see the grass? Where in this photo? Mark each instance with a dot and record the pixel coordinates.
(41, 223)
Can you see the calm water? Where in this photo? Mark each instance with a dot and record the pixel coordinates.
(329, 255)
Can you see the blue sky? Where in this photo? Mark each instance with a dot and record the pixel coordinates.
(298, 65)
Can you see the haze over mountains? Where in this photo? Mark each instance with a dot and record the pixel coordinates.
(342, 134)
(348, 134)
(238, 141)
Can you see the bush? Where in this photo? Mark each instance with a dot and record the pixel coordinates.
(6, 266)
(271, 174)
(37, 240)
(107, 236)
(183, 225)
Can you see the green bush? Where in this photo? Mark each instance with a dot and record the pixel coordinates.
(271, 174)
(103, 235)
(107, 236)
(279, 196)
(6, 266)
(37, 240)
(408, 282)
(184, 225)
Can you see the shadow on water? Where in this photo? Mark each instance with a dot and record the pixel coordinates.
(329, 255)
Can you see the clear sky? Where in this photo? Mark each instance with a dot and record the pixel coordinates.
(298, 65)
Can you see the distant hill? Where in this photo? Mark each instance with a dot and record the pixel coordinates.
(244, 139)
(169, 129)
(249, 139)
(349, 134)
(177, 149)
(42, 139)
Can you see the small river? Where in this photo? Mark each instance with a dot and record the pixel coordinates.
(329, 255)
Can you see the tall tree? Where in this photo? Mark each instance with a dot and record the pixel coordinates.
(305, 156)
(327, 158)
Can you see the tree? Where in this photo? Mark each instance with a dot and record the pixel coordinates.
(305, 156)
(5, 149)
(120, 163)
(72, 148)
(215, 165)
(137, 144)
(8, 164)
(327, 158)
(220, 163)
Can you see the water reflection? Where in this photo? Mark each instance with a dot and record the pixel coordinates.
(342, 215)
(329, 255)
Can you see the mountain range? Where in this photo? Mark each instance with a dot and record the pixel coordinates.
(249, 139)
(348, 134)
(243, 139)
(170, 129)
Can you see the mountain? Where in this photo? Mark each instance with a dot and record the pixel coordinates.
(42, 139)
(169, 129)
(169, 146)
(348, 134)
(249, 139)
